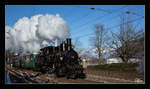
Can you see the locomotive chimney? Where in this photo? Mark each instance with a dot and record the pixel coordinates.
(69, 44)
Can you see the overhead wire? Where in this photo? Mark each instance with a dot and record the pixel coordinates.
(94, 19)
(99, 17)
(87, 14)
(113, 26)
(117, 15)
(82, 17)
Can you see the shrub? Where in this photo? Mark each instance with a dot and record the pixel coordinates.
(124, 67)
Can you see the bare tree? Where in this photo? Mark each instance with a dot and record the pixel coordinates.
(124, 42)
(98, 40)
(77, 45)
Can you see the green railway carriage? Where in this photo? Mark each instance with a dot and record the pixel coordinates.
(29, 61)
(26, 61)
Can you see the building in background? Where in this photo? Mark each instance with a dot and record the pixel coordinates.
(112, 60)
(84, 63)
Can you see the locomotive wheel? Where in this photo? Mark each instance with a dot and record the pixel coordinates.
(51, 70)
(60, 72)
(43, 69)
(82, 76)
(67, 77)
(72, 76)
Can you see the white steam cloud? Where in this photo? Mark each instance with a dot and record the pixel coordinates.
(31, 33)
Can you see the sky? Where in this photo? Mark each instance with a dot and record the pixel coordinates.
(80, 18)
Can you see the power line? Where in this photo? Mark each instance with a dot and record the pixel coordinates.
(109, 12)
(110, 19)
(128, 12)
(100, 9)
(113, 26)
(70, 11)
(126, 22)
(87, 14)
(82, 17)
(104, 11)
(100, 17)
(91, 21)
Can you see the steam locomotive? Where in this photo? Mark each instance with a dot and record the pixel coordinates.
(61, 60)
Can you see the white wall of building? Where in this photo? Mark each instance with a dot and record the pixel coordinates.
(113, 60)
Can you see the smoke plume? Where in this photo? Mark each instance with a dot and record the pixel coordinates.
(31, 33)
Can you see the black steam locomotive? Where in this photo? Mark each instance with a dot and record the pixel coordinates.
(61, 60)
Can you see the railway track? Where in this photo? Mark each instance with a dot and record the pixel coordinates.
(45, 79)
(75, 81)
(33, 77)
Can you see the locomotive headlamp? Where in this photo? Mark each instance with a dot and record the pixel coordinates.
(61, 58)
